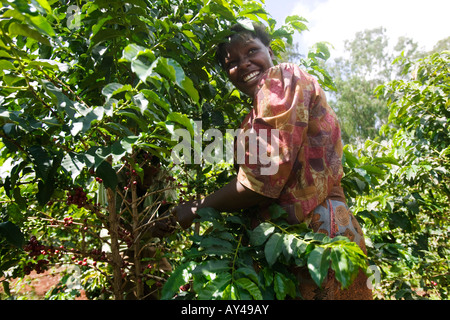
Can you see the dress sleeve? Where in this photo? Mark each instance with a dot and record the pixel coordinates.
(279, 119)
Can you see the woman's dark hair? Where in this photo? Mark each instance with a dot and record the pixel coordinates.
(239, 30)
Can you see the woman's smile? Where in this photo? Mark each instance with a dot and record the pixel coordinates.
(246, 62)
(251, 76)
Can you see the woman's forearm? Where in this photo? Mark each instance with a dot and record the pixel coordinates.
(232, 197)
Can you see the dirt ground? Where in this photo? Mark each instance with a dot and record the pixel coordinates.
(35, 286)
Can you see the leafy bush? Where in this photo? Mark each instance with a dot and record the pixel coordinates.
(91, 93)
(231, 261)
(400, 183)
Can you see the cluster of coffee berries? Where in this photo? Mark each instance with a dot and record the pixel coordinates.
(40, 266)
(68, 221)
(95, 254)
(35, 249)
(98, 255)
(77, 197)
(99, 180)
(132, 180)
(83, 262)
(126, 236)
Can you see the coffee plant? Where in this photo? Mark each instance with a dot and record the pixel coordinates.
(231, 261)
(399, 182)
(91, 93)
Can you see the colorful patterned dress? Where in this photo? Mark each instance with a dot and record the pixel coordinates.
(309, 159)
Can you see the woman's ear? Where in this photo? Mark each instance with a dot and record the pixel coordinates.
(271, 54)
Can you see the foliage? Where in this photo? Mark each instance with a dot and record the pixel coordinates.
(91, 93)
(368, 65)
(232, 262)
(400, 182)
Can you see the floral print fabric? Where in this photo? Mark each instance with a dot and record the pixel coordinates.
(333, 218)
(309, 140)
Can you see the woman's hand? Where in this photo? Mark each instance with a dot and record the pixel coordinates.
(229, 198)
(163, 226)
(185, 213)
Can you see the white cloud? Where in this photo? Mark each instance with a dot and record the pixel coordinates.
(337, 20)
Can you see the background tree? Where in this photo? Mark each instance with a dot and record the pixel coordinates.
(368, 65)
(402, 177)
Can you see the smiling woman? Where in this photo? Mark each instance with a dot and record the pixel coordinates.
(307, 183)
(245, 58)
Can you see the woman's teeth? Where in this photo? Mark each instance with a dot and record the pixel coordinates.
(251, 76)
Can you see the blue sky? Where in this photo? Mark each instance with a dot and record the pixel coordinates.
(425, 21)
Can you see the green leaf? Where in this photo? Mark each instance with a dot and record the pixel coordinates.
(21, 201)
(215, 288)
(181, 119)
(229, 293)
(23, 30)
(283, 286)
(222, 9)
(45, 5)
(276, 211)
(248, 272)
(6, 65)
(400, 219)
(62, 101)
(294, 18)
(74, 163)
(141, 102)
(46, 190)
(373, 169)
(12, 233)
(209, 214)
(132, 51)
(342, 266)
(114, 88)
(250, 286)
(108, 175)
(261, 233)
(287, 246)
(141, 59)
(216, 246)
(179, 277)
(172, 70)
(41, 161)
(141, 121)
(349, 158)
(318, 264)
(155, 98)
(41, 24)
(273, 248)
(212, 266)
(104, 35)
(189, 87)
(98, 26)
(267, 274)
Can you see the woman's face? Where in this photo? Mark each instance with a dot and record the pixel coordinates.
(245, 63)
